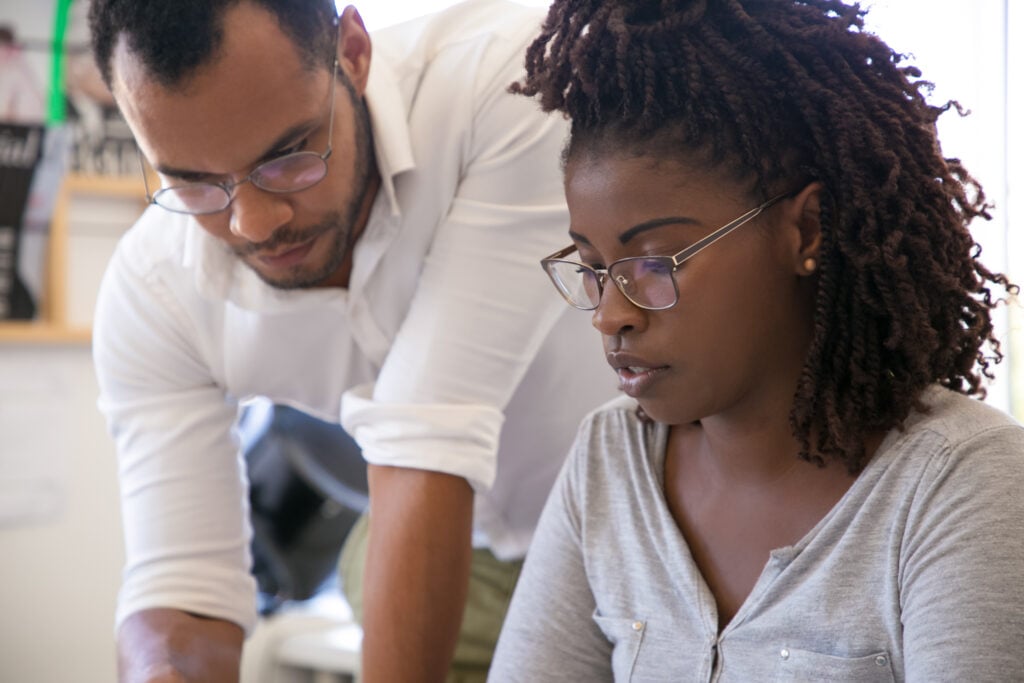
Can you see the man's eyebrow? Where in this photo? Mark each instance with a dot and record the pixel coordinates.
(641, 227)
(283, 141)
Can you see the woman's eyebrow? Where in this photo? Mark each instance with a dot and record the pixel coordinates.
(576, 237)
(632, 232)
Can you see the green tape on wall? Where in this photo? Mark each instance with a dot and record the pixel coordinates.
(55, 105)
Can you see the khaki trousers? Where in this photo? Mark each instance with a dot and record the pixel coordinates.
(491, 583)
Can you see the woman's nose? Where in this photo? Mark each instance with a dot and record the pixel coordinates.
(615, 314)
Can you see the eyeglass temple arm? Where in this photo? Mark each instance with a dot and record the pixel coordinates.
(330, 124)
(562, 253)
(145, 176)
(682, 256)
(707, 241)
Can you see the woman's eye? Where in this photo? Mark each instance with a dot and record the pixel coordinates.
(591, 262)
(655, 266)
(588, 268)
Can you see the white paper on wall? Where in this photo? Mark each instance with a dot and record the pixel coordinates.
(33, 445)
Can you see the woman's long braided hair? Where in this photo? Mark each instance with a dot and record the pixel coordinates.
(794, 91)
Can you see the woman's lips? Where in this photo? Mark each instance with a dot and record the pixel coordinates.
(636, 375)
(635, 380)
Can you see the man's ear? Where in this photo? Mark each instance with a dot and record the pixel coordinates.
(806, 216)
(354, 48)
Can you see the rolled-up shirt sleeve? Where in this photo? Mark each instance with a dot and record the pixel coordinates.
(401, 435)
(482, 307)
(183, 487)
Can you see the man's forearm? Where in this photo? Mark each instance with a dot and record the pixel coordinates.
(167, 646)
(417, 573)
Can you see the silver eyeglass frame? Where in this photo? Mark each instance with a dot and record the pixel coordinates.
(229, 186)
(601, 275)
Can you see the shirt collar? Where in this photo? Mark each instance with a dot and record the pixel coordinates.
(390, 123)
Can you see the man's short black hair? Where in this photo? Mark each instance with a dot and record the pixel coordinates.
(173, 38)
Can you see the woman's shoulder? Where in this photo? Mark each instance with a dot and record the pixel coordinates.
(618, 408)
(964, 423)
(615, 436)
(956, 441)
(617, 420)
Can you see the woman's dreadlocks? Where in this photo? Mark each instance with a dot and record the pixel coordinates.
(795, 91)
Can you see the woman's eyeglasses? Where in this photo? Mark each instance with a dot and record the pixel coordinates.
(647, 281)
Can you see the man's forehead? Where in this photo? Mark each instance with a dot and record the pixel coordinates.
(225, 116)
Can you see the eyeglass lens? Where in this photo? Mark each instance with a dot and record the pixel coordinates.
(290, 173)
(194, 198)
(646, 281)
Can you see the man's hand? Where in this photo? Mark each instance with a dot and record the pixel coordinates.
(171, 646)
(417, 573)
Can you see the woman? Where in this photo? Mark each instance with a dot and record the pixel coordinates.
(797, 485)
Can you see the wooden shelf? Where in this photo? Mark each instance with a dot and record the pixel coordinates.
(52, 326)
(41, 332)
(107, 186)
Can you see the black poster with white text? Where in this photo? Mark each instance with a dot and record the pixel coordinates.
(21, 148)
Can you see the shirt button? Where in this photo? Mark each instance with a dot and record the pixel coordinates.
(638, 626)
(881, 660)
(784, 653)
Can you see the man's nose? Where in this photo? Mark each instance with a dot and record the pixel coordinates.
(256, 215)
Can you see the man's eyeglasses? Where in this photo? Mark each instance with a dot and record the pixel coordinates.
(289, 173)
(647, 281)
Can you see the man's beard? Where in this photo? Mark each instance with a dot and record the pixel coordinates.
(338, 226)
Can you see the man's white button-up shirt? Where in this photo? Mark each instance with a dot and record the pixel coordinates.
(450, 350)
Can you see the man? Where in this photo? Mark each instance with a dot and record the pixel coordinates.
(362, 246)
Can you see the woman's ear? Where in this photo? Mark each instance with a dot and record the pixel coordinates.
(806, 216)
(354, 48)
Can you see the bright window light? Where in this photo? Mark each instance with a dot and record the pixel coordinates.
(386, 12)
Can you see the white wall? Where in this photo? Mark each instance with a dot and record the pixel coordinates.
(380, 13)
(59, 568)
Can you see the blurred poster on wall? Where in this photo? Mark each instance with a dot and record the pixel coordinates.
(22, 142)
(21, 148)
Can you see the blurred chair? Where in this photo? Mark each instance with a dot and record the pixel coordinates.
(313, 641)
(307, 487)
